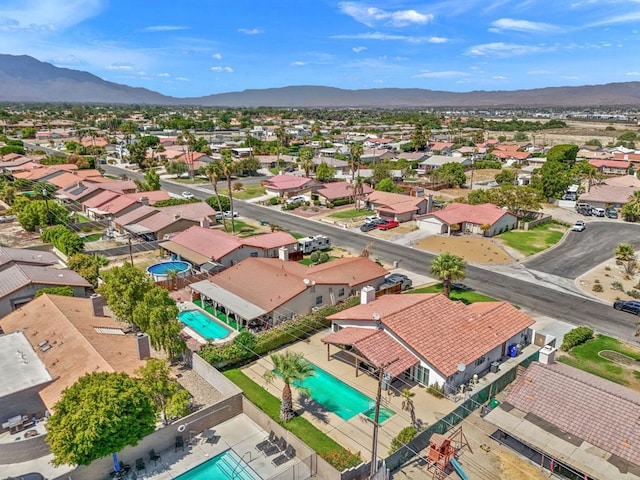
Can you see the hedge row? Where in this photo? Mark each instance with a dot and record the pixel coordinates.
(575, 337)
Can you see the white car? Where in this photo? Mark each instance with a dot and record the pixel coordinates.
(227, 214)
(579, 226)
(187, 195)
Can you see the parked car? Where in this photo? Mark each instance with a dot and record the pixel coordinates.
(295, 200)
(397, 279)
(598, 212)
(7, 218)
(461, 286)
(631, 306)
(227, 214)
(388, 224)
(579, 226)
(372, 219)
(612, 213)
(585, 211)
(187, 195)
(367, 227)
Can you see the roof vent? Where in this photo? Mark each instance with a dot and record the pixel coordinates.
(44, 345)
(109, 330)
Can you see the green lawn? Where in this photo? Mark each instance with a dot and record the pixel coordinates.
(465, 296)
(535, 240)
(241, 227)
(187, 181)
(93, 237)
(249, 191)
(324, 446)
(81, 218)
(586, 357)
(351, 213)
(307, 261)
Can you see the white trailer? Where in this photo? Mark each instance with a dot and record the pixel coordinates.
(312, 244)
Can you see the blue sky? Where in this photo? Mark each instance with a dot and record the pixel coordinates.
(198, 47)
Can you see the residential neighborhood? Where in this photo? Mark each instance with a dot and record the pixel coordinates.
(301, 296)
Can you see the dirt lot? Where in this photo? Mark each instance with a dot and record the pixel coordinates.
(606, 274)
(13, 235)
(471, 248)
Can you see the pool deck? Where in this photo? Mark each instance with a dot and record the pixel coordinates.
(240, 433)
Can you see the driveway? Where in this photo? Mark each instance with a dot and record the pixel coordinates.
(579, 252)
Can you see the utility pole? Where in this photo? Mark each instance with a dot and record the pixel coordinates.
(46, 202)
(382, 375)
(130, 251)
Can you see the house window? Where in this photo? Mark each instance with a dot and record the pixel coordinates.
(421, 375)
(254, 254)
(319, 300)
(480, 361)
(341, 292)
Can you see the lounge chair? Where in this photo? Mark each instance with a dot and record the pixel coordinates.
(124, 467)
(279, 446)
(154, 457)
(267, 441)
(179, 443)
(140, 465)
(288, 454)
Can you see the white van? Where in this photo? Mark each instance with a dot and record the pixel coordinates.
(598, 212)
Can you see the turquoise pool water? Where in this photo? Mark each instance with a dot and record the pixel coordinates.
(339, 398)
(228, 465)
(204, 325)
(163, 267)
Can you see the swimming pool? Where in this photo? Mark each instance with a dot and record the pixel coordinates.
(204, 325)
(227, 465)
(339, 398)
(160, 271)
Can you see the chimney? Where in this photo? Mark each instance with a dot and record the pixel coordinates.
(143, 345)
(144, 201)
(97, 302)
(547, 355)
(205, 222)
(367, 295)
(176, 216)
(430, 203)
(283, 254)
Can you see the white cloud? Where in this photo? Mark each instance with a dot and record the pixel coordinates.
(387, 37)
(217, 56)
(121, 67)
(501, 49)
(298, 64)
(442, 74)
(164, 75)
(499, 77)
(522, 26)
(633, 74)
(359, 49)
(183, 79)
(222, 69)
(438, 40)
(251, 31)
(629, 17)
(47, 15)
(371, 16)
(164, 28)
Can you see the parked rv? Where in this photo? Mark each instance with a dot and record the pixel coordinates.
(312, 244)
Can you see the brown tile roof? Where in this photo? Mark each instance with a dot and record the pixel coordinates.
(335, 190)
(285, 182)
(100, 198)
(394, 202)
(116, 204)
(463, 212)
(270, 240)
(193, 211)
(212, 244)
(443, 332)
(152, 196)
(133, 216)
(68, 325)
(589, 407)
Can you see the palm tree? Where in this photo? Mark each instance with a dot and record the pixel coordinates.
(626, 253)
(228, 168)
(448, 268)
(355, 153)
(188, 142)
(631, 210)
(407, 404)
(290, 367)
(213, 171)
(306, 163)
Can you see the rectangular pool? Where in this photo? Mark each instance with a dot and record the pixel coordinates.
(225, 466)
(340, 398)
(204, 325)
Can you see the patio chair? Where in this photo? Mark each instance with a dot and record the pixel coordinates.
(279, 446)
(124, 467)
(140, 465)
(288, 454)
(179, 443)
(154, 457)
(267, 441)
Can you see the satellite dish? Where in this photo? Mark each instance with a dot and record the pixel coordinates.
(461, 367)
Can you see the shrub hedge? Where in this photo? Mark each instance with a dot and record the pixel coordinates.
(575, 337)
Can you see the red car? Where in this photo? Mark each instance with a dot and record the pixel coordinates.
(388, 224)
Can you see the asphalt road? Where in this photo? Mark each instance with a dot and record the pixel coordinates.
(537, 296)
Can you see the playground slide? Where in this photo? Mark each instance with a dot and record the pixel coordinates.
(458, 468)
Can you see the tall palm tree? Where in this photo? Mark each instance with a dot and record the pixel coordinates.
(355, 153)
(228, 167)
(407, 404)
(631, 210)
(213, 171)
(626, 253)
(448, 268)
(306, 163)
(290, 367)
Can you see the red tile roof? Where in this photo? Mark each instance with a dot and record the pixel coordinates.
(100, 198)
(443, 332)
(463, 212)
(270, 240)
(623, 164)
(394, 202)
(285, 182)
(335, 190)
(593, 409)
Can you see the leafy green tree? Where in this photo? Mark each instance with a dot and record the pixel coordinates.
(477, 197)
(630, 211)
(100, 414)
(594, 142)
(325, 172)
(221, 203)
(518, 200)
(28, 132)
(64, 291)
(123, 288)
(63, 239)
(405, 436)
(506, 175)
(248, 166)
(41, 213)
(565, 153)
(176, 168)
(520, 137)
(156, 313)
(149, 141)
(452, 174)
(381, 170)
(151, 181)
(448, 268)
(419, 138)
(169, 398)
(387, 185)
(87, 266)
(553, 179)
(290, 367)
(625, 252)
(138, 154)
(8, 194)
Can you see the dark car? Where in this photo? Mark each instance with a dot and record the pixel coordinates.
(388, 224)
(612, 213)
(630, 306)
(367, 227)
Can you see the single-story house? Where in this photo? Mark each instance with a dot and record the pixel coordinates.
(470, 218)
(84, 190)
(332, 191)
(45, 172)
(205, 248)
(427, 337)
(341, 166)
(611, 167)
(396, 206)
(61, 339)
(247, 291)
(284, 185)
(613, 191)
(560, 417)
(441, 147)
(436, 161)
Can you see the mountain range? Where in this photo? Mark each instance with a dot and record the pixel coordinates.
(26, 79)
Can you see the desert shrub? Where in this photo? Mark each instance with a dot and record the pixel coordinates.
(274, 201)
(404, 437)
(330, 205)
(341, 201)
(237, 186)
(323, 257)
(314, 257)
(616, 285)
(634, 293)
(575, 337)
(343, 459)
(436, 390)
(597, 287)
